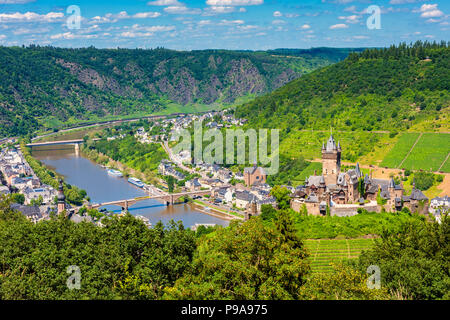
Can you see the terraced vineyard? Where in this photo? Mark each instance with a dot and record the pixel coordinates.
(429, 151)
(326, 251)
(400, 150)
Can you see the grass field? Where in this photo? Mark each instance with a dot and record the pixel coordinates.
(326, 251)
(400, 150)
(429, 152)
(308, 144)
(309, 170)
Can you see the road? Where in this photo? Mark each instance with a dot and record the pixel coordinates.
(169, 152)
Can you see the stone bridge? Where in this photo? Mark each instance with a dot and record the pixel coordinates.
(170, 199)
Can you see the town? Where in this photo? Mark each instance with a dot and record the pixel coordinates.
(232, 194)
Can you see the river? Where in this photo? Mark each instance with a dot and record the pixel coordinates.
(101, 187)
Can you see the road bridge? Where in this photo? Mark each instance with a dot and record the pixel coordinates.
(170, 199)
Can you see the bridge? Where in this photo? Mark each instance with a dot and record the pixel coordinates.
(53, 143)
(75, 143)
(170, 199)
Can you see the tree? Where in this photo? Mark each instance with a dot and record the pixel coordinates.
(18, 198)
(343, 283)
(245, 261)
(170, 183)
(413, 261)
(423, 180)
(122, 260)
(268, 212)
(283, 197)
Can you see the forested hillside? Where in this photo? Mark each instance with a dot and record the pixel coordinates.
(388, 89)
(49, 87)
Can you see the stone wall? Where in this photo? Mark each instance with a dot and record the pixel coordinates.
(345, 210)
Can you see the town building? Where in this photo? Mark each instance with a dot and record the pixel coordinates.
(254, 175)
(344, 193)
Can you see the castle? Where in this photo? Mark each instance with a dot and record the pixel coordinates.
(343, 193)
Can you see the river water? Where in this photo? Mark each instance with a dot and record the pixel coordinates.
(101, 187)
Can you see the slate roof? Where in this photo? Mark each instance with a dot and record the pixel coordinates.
(312, 198)
(331, 144)
(416, 194)
(314, 180)
(28, 211)
(245, 196)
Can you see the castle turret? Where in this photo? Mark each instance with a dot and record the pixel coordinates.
(331, 161)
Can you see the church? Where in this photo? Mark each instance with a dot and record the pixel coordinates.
(343, 193)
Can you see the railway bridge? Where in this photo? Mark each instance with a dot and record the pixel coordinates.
(75, 143)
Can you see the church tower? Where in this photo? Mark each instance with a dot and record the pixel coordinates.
(331, 161)
(61, 198)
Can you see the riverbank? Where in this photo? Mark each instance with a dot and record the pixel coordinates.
(103, 159)
(229, 215)
(147, 177)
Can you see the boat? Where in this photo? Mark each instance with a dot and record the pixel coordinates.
(136, 182)
(115, 173)
(145, 220)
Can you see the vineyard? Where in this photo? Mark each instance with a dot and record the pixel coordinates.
(414, 151)
(326, 251)
(400, 150)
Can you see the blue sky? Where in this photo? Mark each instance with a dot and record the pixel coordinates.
(225, 24)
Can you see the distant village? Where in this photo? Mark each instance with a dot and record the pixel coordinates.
(18, 177)
(334, 192)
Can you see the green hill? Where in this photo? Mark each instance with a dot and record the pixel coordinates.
(47, 87)
(368, 99)
(396, 88)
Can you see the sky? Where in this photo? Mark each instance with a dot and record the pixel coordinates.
(222, 24)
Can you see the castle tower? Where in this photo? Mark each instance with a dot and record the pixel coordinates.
(252, 210)
(61, 198)
(331, 161)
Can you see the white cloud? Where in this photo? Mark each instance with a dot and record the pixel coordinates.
(350, 19)
(231, 22)
(351, 9)
(31, 17)
(112, 18)
(153, 28)
(70, 36)
(143, 15)
(182, 10)
(132, 34)
(360, 37)
(219, 10)
(305, 27)
(15, 1)
(432, 14)
(430, 11)
(165, 3)
(338, 26)
(234, 2)
(278, 22)
(402, 1)
(277, 14)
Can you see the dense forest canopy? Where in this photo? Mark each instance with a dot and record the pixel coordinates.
(47, 87)
(378, 89)
(257, 259)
